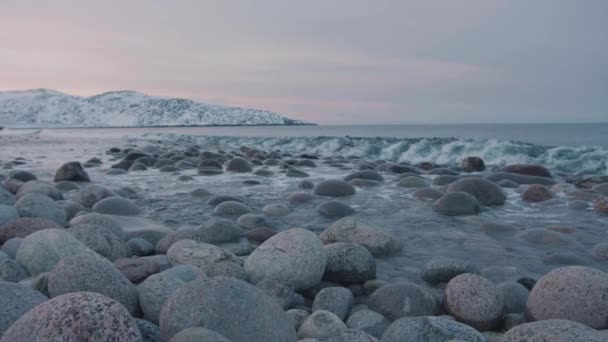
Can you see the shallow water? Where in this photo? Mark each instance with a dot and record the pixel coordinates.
(426, 234)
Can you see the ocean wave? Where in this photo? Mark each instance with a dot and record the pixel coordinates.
(578, 160)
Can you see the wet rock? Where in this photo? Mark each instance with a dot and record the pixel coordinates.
(413, 182)
(337, 300)
(282, 294)
(263, 173)
(321, 325)
(200, 193)
(601, 188)
(21, 175)
(599, 251)
(402, 299)
(348, 263)
(140, 247)
(519, 179)
(15, 301)
(297, 316)
(536, 193)
(293, 172)
(260, 234)
(295, 257)
(163, 162)
(231, 209)
(6, 197)
(485, 191)
(576, 293)
(564, 258)
(97, 219)
(366, 175)
(334, 209)
(99, 318)
(444, 270)
(457, 203)
(40, 187)
(475, 301)
(92, 194)
(67, 186)
(92, 274)
(137, 269)
(155, 290)
(300, 198)
(354, 230)
(24, 226)
(217, 200)
(71, 208)
(138, 167)
(472, 164)
(196, 334)
(169, 168)
(529, 170)
(401, 169)
(238, 165)
(541, 236)
(368, 321)
(578, 204)
(39, 205)
(122, 165)
(71, 171)
(199, 254)
(218, 230)
(430, 329)
(40, 251)
(601, 205)
(515, 296)
(334, 188)
(208, 302)
(100, 239)
(554, 330)
(251, 221)
(276, 210)
(428, 194)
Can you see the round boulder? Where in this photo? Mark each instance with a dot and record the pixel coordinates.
(71, 171)
(231, 209)
(337, 300)
(413, 182)
(349, 263)
(527, 169)
(101, 240)
(402, 299)
(238, 165)
(92, 194)
(369, 321)
(80, 316)
(92, 274)
(321, 325)
(472, 164)
(38, 205)
(24, 226)
(7, 213)
(199, 254)
(536, 193)
(197, 334)
(474, 300)
(486, 192)
(354, 230)
(334, 209)
(553, 330)
(334, 188)
(430, 329)
(41, 188)
(116, 205)
(228, 306)
(576, 293)
(457, 203)
(15, 301)
(295, 257)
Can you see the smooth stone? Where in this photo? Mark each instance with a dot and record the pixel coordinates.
(282, 294)
(474, 300)
(368, 321)
(200, 193)
(41, 206)
(576, 293)
(251, 221)
(601, 205)
(140, 247)
(297, 173)
(599, 251)
(486, 192)
(40, 251)
(86, 273)
(348, 263)
(515, 297)
(401, 169)
(321, 325)
(528, 170)
(199, 254)
(351, 335)
(197, 334)
(40, 187)
(116, 205)
(15, 301)
(21, 175)
(506, 183)
(536, 193)
(402, 299)
(519, 179)
(457, 203)
(150, 332)
(334, 188)
(136, 269)
(97, 219)
(472, 164)
(227, 269)
(155, 290)
(445, 180)
(334, 209)
(208, 303)
(218, 230)
(366, 175)
(553, 330)
(238, 165)
(300, 198)
(101, 240)
(295, 257)
(231, 209)
(80, 316)
(138, 167)
(297, 317)
(578, 204)
(541, 236)
(426, 329)
(355, 230)
(263, 172)
(217, 200)
(6, 197)
(413, 182)
(92, 194)
(71, 171)
(11, 246)
(7, 214)
(337, 300)
(276, 210)
(71, 208)
(443, 270)
(260, 234)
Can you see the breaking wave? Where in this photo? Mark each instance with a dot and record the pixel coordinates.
(578, 160)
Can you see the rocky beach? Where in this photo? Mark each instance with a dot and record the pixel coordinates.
(158, 237)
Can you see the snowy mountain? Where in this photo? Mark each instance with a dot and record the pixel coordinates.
(49, 108)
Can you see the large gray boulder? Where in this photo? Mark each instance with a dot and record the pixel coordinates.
(92, 194)
(71, 171)
(553, 330)
(528, 169)
(349, 263)
(442, 270)
(231, 209)
(426, 329)
(218, 230)
(575, 293)
(86, 273)
(402, 299)
(7, 213)
(38, 205)
(334, 188)
(39, 187)
(337, 300)
(295, 257)
(369, 321)
(354, 230)
(97, 219)
(16, 300)
(228, 306)
(79, 316)
(321, 325)
(486, 192)
(157, 288)
(475, 301)
(24, 226)
(40, 251)
(101, 240)
(238, 165)
(199, 254)
(115, 205)
(457, 203)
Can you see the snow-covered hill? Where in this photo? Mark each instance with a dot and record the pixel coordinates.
(49, 108)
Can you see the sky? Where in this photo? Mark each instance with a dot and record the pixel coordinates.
(324, 61)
